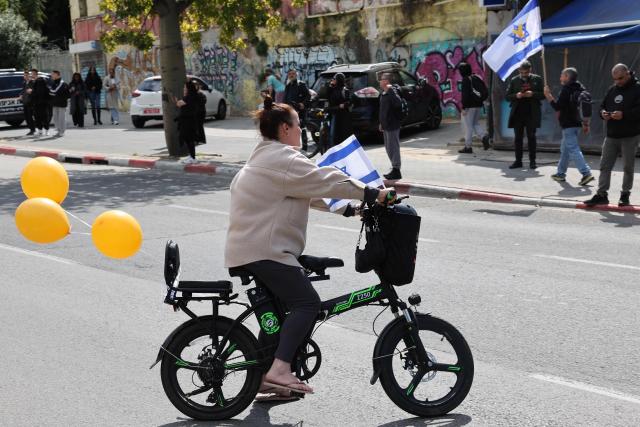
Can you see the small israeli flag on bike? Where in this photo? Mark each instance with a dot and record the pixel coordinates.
(521, 39)
(351, 159)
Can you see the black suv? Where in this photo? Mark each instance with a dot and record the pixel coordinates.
(10, 101)
(11, 110)
(362, 80)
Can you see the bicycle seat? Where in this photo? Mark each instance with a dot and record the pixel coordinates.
(216, 287)
(319, 264)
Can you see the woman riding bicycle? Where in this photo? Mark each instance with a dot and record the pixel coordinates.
(270, 200)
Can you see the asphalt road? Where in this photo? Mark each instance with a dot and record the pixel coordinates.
(547, 299)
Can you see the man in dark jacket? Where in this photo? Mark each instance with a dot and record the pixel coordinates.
(390, 121)
(620, 110)
(525, 92)
(296, 94)
(339, 97)
(59, 92)
(570, 121)
(27, 107)
(40, 101)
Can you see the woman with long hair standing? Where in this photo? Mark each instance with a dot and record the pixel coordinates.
(78, 92)
(189, 107)
(93, 83)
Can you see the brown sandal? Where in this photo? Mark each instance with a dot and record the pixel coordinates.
(288, 387)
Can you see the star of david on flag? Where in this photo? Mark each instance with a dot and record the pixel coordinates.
(350, 158)
(521, 39)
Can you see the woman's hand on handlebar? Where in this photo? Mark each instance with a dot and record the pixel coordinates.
(386, 196)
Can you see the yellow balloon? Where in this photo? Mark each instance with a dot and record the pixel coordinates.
(116, 234)
(42, 220)
(45, 177)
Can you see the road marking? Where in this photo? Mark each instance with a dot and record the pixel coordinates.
(38, 254)
(587, 387)
(586, 261)
(353, 230)
(187, 208)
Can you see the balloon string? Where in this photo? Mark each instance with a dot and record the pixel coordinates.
(77, 218)
(77, 232)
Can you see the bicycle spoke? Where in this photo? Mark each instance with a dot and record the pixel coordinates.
(218, 397)
(446, 368)
(198, 391)
(190, 366)
(411, 388)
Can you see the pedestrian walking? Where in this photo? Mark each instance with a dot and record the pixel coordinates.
(78, 92)
(525, 92)
(296, 94)
(112, 86)
(620, 110)
(27, 105)
(390, 121)
(200, 136)
(59, 92)
(571, 121)
(274, 85)
(40, 100)
(339, 97)
(188, 119)
(93, 83)
(474, 93)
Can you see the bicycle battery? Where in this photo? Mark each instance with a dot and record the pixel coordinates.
(265, 311)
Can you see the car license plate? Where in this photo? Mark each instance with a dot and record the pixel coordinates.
(151, 111)
(9, 102)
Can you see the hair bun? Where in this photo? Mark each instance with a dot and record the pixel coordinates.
(268, 102)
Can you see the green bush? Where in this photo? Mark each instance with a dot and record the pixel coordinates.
(18, 42)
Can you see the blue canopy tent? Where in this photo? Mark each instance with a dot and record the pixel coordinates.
(591, 35)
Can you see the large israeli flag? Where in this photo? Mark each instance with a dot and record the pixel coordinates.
(521, 39)
(351, 159)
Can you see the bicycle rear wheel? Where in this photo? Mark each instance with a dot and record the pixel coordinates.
(202, 386)
(426, 389)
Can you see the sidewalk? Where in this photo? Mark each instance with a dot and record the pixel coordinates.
(431, 163)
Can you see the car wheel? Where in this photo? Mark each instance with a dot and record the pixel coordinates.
(434, 115)
(14, 123)
(138, 122)
(222, 111)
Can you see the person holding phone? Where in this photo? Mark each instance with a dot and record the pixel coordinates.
(620, 110)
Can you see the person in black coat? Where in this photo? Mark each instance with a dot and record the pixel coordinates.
(296, 94)
(25, 94)
(40, 100)
(188, 119)
(339, 97)
(93, 83)
(78, 100)
(390, 122)
(201, 138)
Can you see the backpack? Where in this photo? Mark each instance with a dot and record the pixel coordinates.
(404, 104)
(583, 103)
(479, 88)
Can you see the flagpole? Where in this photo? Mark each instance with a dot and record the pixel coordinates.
(544, 68)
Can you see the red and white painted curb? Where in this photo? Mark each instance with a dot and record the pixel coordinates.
(132, 162)
(417, 189)
(426, 190)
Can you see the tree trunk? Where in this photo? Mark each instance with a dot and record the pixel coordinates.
(172, 70)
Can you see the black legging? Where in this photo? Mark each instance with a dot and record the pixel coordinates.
(294, 289)
(41, 115)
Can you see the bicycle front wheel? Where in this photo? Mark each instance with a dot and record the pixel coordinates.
(426, 388)
(206, 387)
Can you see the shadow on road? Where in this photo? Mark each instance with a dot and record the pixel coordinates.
(111, 188)
(450, 420)
(625, 220)
(258, 416)
(521, 213)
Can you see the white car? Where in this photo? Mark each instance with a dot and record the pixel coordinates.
(146, 101)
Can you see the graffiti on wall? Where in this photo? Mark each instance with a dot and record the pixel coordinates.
(399, 54)
(217, 65)
(439, 68)
(133, 66)
(308, 61)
